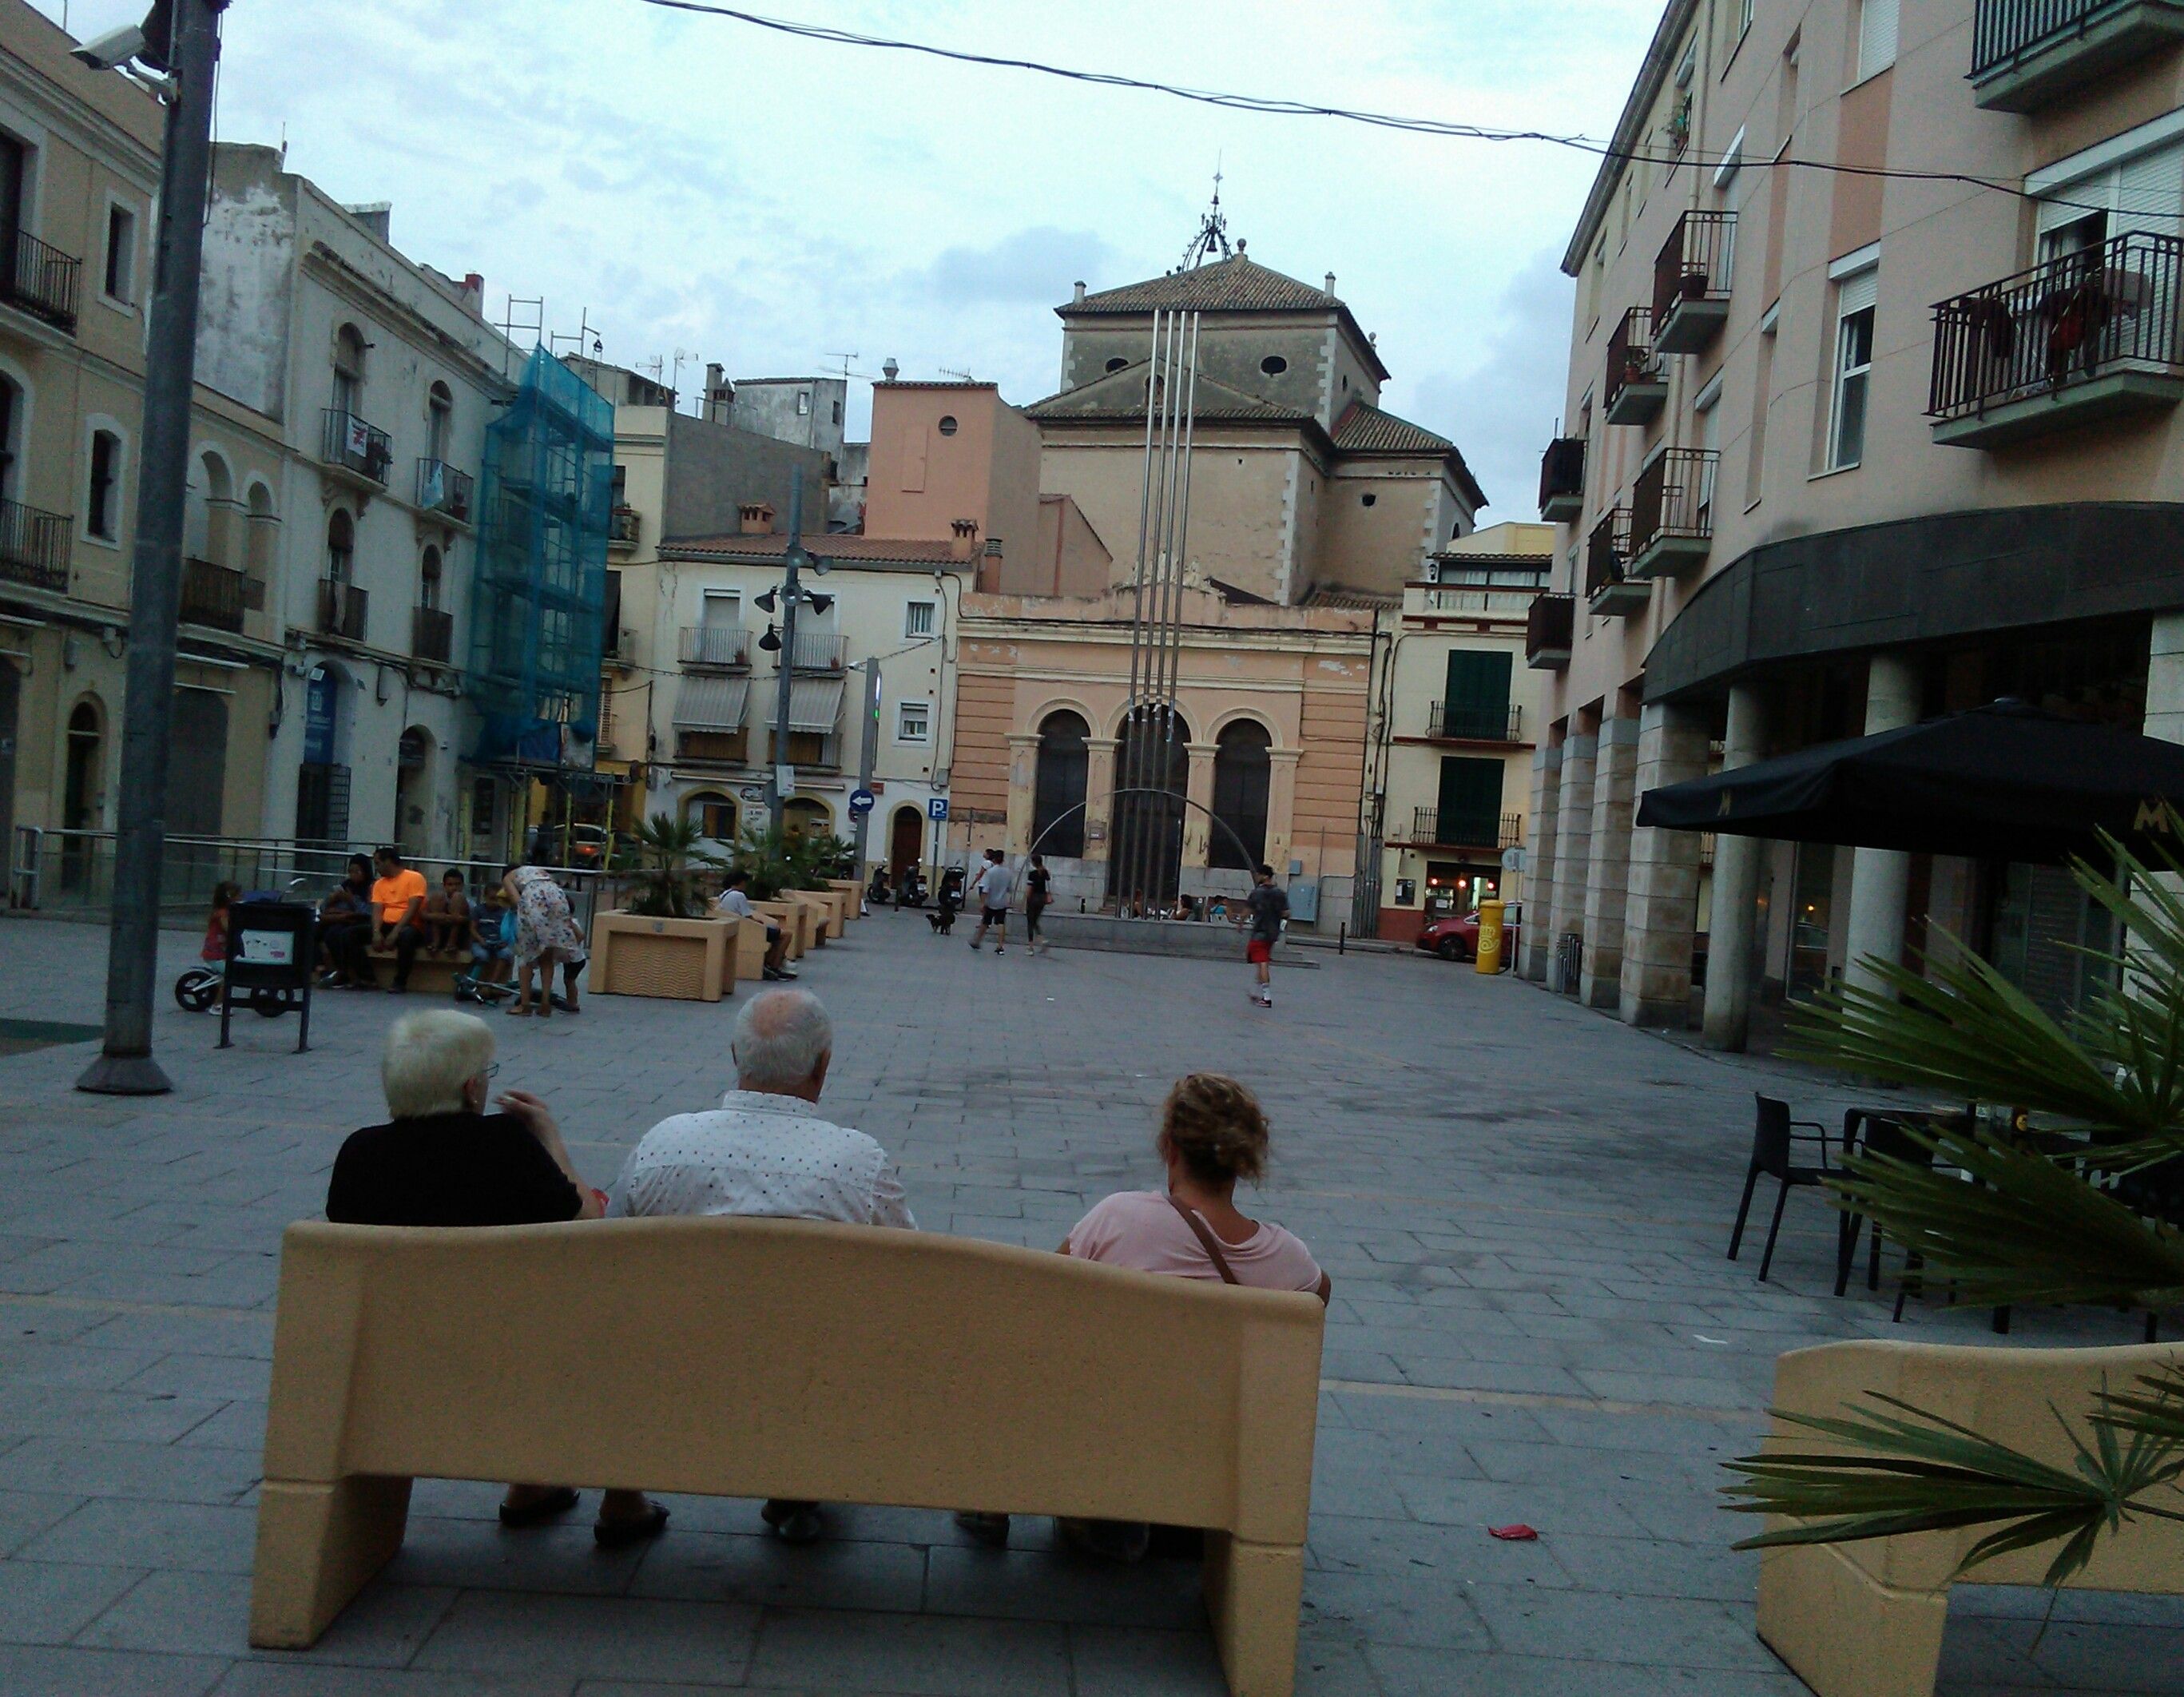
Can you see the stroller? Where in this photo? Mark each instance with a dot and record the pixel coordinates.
(942, 919)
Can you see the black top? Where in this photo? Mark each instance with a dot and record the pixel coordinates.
(1037, 880)
(1269, 906)
(449, 1169)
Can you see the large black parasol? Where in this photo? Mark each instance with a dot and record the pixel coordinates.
(2005, 782)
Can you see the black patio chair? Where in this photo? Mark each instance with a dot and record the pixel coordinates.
(1874, 1134)
(1773, 1133)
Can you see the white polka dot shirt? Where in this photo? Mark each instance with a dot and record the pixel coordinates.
(761, 1154)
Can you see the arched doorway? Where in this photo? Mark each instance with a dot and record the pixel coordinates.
(83, 785)
(906, 842)
(1145, 857)
(1058, 794)
(1241, 772)
(716, 816)
(803, 817)
(413, 791)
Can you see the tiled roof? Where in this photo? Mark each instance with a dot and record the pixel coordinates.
(1121, 394)
(1363, 429)
(1236, 284)
(850, 549)
(1352, 600)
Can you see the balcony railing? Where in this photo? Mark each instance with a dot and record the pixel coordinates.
(212, 595)
(1609, 588)
(715, 644)
(1462, 721)
(1549, 632)
(342, 610)
(355, 446)
(818, 652)
(1562, 478)
(1671, 513)
(1690, 282)
(2027, 52)
(618, 646)
(431, 635)
(34, 546)
(1636, 388)
(1481, 830)
(622, 528)
(39, 279)
(2084, 335)
(442, 489)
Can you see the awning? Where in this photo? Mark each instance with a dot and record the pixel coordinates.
(815, 704)
(712, 703)
(2005, 782)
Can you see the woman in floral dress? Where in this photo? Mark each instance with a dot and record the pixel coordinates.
(545, 935)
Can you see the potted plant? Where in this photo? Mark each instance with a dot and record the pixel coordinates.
(664, 941)
(770, 857)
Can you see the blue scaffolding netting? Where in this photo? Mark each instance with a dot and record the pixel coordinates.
(540, 590)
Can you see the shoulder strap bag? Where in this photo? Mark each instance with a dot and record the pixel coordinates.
(1205, 1235)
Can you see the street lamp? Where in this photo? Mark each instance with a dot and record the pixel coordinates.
(183, 36)
(788, 596)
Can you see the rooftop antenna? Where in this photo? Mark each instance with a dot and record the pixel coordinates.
(845, 358)
(1213, 231)
(965, 376)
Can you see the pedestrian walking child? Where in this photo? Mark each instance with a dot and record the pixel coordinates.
(1270, 906)
(993, 888)
(1035, 884)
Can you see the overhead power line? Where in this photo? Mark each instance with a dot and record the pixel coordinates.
(1270, 106)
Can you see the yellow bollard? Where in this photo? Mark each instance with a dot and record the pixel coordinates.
(1489, 959)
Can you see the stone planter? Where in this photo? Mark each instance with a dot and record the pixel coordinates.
(750, 949)
(828, 912)
(853, 895)
(687, 960)
(794, 918)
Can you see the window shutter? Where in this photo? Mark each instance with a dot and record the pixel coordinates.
(1876, 37)
(1476, 701)
(2149, 193)
(1856, 292)
(1470, 802)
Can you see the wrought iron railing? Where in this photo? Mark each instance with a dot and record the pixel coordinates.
(1674, 497)
(212, 595)
(341, 609)
(2078, 317)
(1485, 829)
(1463, 721)
(1562, 469)
(1693, 263)
(2005, 29)
(349, 441)
(1630, 352)
(715, 644)
(431, 635)
(1607, 551)
(442, 489)
(1550, 625)
(39, 278)
(34, 546)
(818, 652)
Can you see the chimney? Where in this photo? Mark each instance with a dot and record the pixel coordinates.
(965, 540)
(890, 369)
(1330, 282)
(757, 518)
(720, 393)
(1079, 295)
(990, 567)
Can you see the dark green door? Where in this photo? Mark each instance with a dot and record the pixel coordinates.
(1470, 803)
(1475, 701)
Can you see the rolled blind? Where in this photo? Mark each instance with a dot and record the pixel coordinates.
(1857, 291)
(1876, 37)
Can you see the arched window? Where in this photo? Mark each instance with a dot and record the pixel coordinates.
(263, 528)
(1240, 768)
(716, 814)
(802, 816)
(1062, 763)
(349, 369)
(209, 512)
(428, 579)
(341, 547)
(83, 794)
(1144, 849)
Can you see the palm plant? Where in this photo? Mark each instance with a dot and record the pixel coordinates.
(665, 883)
(2038, 1224)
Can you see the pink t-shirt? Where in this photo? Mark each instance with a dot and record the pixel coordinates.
(1141, 1229)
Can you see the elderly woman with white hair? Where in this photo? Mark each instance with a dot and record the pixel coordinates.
(441, 1159)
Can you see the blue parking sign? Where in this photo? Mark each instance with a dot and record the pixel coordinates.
(936, 807)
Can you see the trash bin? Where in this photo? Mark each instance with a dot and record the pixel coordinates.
(1488, 957)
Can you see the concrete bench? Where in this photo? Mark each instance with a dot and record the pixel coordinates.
(430, 974)
(928, 1371)
(1865, 1620)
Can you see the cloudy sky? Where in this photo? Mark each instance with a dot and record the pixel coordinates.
(699, 186)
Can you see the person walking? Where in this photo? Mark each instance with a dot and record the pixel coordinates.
(993, 888)
(1035, 897)
(1270, 906)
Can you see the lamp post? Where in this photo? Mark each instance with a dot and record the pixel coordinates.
(124, 1066)
(791, 593)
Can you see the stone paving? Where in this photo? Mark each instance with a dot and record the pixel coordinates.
(1523, 1207)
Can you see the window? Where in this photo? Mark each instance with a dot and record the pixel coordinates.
(1855, 303)
(913, 721)
(1368, 499)
(1273, 365)
(917, 619)
(439, 408)
(722, 609)
(1876, 37)
(349, 368)
(1058, 813)
(714, 813)
(1117, 363)
(102, 498)
(947, 425)
(428, 579)
(838, 412)
(803, 403)
(341, 547)
(1241, 771)
(120, 254)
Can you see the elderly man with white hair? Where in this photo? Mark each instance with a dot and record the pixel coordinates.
(764, 1150)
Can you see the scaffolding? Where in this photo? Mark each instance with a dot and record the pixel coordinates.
(536, 626)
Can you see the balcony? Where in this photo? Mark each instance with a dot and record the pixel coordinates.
(2086, 336)
(431, 635)
(346, 443)
(1637, 387)
(342, 610)
(34, 547)
(39, 279)
(622, 528)
(714, 644)
(1610, 591)
(2026, 54)
(1562, 479)
(1491, 832)
(1549, 632)
(212, 595)
(816, 651)
(1463, 721)
(1671, 513)
(619, 648)
(441, 489)
(1690, 282)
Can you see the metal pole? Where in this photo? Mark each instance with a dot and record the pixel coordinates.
(865, 755)
(125, 1067)
(785, 661)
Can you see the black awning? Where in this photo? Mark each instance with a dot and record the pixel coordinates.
(2005, 782)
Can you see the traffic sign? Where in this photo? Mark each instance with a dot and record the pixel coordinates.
(861, 803)
(936, 807)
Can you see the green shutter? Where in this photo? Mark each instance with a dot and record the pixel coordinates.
(1470, 802)
(1475, 702)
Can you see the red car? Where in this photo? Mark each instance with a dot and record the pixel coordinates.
(1455, 936)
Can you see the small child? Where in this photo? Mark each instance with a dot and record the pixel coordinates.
(492, 938)
(446, 916)
(214, 953)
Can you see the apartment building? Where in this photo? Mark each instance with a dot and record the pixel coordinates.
(1855, 441)
(1456, 712)
(79, 173)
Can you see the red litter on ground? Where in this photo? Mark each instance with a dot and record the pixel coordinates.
(1518, 1532)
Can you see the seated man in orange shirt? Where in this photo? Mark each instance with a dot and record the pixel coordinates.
(398, 902)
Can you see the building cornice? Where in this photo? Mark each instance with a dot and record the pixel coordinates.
(1630, 129)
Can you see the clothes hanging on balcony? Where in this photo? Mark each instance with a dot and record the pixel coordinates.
(1988, 316)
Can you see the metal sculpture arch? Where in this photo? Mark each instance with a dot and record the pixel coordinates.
(1138, 895)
